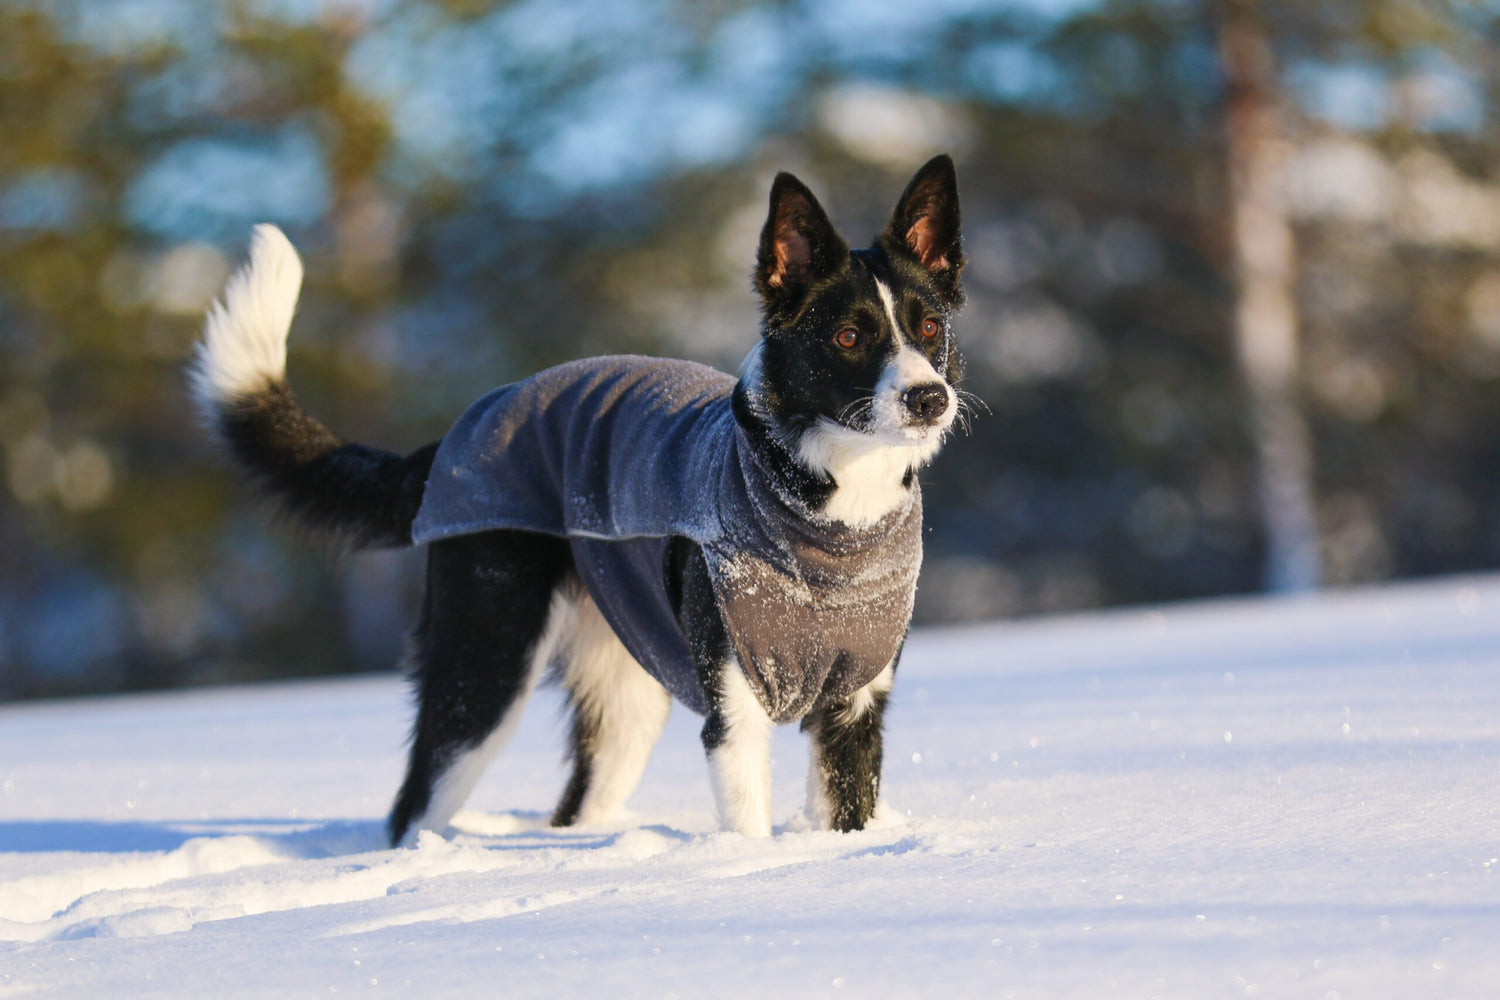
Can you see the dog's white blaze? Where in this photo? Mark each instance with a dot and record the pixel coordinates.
(740, 767)
(244, 338)
(456, 782)
(819, 810)
(908, 367)
(889, 302)
(628, 703)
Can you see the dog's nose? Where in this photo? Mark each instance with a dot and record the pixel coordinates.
(926, 401)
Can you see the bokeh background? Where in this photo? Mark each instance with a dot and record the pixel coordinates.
(1234, 292)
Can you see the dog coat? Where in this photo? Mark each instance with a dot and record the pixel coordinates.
(621, 454)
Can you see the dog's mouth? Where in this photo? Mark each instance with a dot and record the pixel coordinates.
(906, 434)
(924, 435)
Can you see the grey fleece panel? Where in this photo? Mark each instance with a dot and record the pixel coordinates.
(620, 454)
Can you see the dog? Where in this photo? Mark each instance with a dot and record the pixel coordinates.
(648, 529)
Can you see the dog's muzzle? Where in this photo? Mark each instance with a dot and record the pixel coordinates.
(925, 403)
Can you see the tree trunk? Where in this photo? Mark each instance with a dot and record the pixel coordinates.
(1265, 314)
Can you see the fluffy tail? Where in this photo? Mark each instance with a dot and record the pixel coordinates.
(365, 496)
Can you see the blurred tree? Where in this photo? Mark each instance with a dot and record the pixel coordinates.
(1265, 315)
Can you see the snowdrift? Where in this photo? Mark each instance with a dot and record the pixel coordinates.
(1272, 798)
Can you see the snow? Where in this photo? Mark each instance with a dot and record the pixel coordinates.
(1274, 798)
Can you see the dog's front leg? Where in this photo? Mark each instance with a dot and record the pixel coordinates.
(843, 777)
(737, 737)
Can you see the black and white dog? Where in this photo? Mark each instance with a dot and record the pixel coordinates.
(647, 528)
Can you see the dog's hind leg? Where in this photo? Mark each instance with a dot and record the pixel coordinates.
(843, 777)
(497, 606)
(618, 713)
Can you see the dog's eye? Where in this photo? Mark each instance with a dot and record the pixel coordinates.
(847, 339)
(931, 328)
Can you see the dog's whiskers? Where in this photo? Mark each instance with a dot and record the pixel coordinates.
(863, 405)
(969, 405)
(971, 399)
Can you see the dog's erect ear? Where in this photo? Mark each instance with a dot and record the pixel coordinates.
(926, 222)
(798, 246)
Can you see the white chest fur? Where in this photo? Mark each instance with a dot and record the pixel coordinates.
(869, 474)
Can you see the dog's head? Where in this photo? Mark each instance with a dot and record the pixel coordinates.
(857, 347)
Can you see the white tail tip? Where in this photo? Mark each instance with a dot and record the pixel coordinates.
(244, 338)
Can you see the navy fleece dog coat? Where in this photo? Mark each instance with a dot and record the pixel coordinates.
(621, 454)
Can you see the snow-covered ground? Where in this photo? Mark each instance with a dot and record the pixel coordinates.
(1252, 798)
